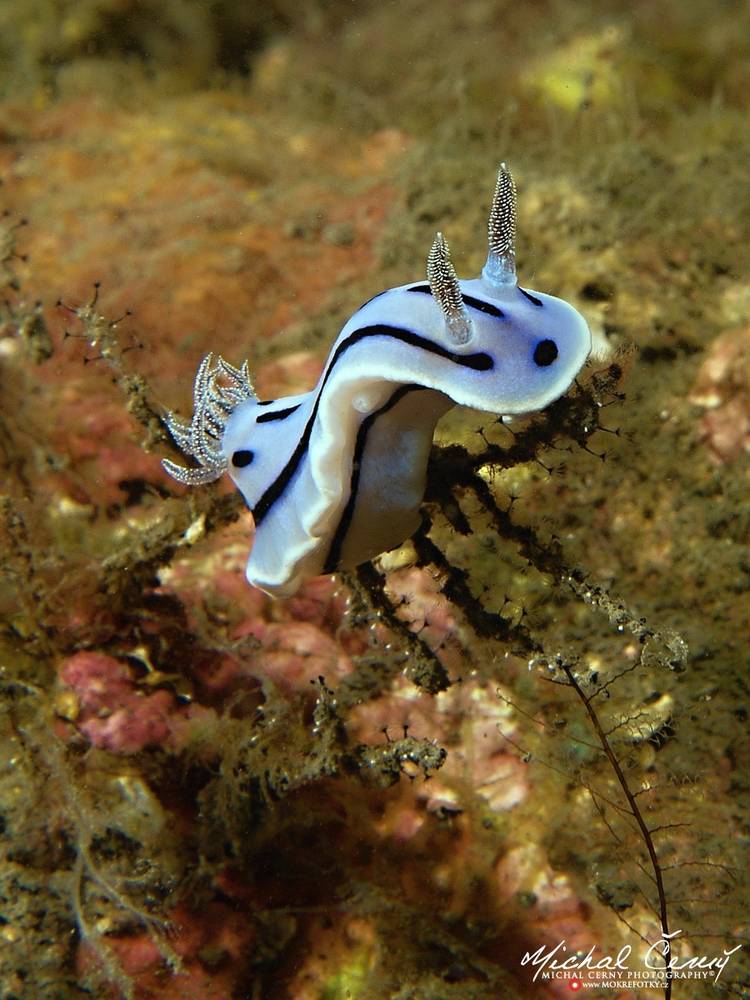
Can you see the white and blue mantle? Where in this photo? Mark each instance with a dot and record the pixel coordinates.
(336, 475)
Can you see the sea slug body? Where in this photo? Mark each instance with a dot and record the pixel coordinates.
(336, 475)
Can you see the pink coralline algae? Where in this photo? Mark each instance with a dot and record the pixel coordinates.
(289, 644)
(427, 611)
(294, 654)
(111, 711)
(722, 389)
(212, 946)
(473, 722)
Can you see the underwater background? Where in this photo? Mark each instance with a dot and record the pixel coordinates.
(527, 727)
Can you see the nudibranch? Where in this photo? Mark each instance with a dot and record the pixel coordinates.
(335, 476)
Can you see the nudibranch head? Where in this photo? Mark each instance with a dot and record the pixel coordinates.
(336, 475)
(541, 343)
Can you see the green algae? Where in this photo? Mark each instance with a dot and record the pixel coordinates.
(184, 41)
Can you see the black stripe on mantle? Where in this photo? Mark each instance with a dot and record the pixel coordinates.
(266, 418)
(469, 300)
(337, 543)
(477, 362)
